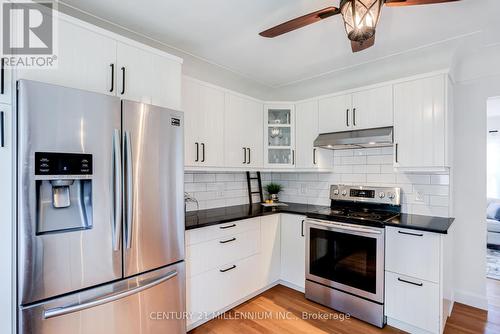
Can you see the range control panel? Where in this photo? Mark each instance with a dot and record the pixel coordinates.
(49, 163)
(380, 195)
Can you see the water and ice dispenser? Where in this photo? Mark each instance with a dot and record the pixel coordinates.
(63, 192)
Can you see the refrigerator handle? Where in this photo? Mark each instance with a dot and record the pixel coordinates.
(59, 311)
(129, 184)
(117, 191)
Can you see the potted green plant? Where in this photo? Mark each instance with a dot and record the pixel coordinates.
(273, 189)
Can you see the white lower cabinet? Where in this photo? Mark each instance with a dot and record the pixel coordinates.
(418, 280)
(293, 250)
(228, 263)
(215, 290)
(270, 237)
(412, 301)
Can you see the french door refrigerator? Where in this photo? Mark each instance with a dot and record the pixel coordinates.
(100, 212)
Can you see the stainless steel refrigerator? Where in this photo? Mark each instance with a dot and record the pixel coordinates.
(100, 214)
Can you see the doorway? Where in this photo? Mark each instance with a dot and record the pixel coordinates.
(493, 189)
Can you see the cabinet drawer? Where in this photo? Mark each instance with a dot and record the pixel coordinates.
(218, 288)
(218, 252)
(413, 301)
(413, 253)
(221, 230)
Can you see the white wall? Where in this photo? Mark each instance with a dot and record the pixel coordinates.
(477, 77)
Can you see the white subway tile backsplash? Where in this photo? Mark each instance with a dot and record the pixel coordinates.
(202, 177)
(372, 166)
(224, 177)
(354, 160)
(188, 178)
(431, 189)
(379, 159)
(380, 178)
(195, 187)
(354, 178)
(413, 178)
(440, 179)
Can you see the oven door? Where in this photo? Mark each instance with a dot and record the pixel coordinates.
(346, 257)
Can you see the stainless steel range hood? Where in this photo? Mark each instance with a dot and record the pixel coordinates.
(378, 137)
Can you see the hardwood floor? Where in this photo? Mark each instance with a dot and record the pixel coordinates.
(280, 310)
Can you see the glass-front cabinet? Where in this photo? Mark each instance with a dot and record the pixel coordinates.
(279, 130)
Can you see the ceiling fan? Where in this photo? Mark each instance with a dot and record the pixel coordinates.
(360, 19)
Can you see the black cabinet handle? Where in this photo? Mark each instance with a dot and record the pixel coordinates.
(347, 117)
(293, 157)
(2, 128)
(112, 77)
(202, 152)
(249, 156)
(228, 226)
(197, 152)
(226, 241)
(230, 268)
(413, 283)
(302, 228)
(123, 81)
(397, 146)
(413, 234)
(354, 116)
(244, 155)
(314, 156)
(2, 77)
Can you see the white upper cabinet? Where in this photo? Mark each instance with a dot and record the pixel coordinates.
(166, 90)
(279, 136)
(203, 108)
(334, 114)
(85, 61)
(307, 129)
(420, 123)
(5, 83)
(243, 143)
(372, 108)
(92, 59)
(135, 73)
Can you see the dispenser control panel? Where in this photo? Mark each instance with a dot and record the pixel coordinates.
(49, 163)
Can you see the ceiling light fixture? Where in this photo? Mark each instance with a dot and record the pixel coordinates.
(360, 18)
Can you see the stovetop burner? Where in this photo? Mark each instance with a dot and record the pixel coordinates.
(359, 213)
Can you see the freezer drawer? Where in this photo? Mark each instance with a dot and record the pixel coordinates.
(151, 303)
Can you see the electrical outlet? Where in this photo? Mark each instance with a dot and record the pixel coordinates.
(419, 197)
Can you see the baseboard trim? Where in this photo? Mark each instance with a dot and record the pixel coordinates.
(405, 327)
(471, 299)
(233, 305)
(292, 286)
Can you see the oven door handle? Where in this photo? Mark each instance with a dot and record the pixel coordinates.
(342, 226)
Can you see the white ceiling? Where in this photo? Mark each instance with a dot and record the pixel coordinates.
(225, 32)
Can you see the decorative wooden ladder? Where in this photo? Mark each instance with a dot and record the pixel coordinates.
(259, 191)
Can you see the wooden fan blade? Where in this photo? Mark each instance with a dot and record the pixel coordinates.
(300, 22)
(360, 46)
(399, 3)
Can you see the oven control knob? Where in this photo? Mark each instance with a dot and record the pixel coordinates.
(344, 192)
(391, 196)
(381, 194)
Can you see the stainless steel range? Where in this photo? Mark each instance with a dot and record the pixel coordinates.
(345, 251)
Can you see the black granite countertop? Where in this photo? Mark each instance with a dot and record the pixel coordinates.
(203, 218)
